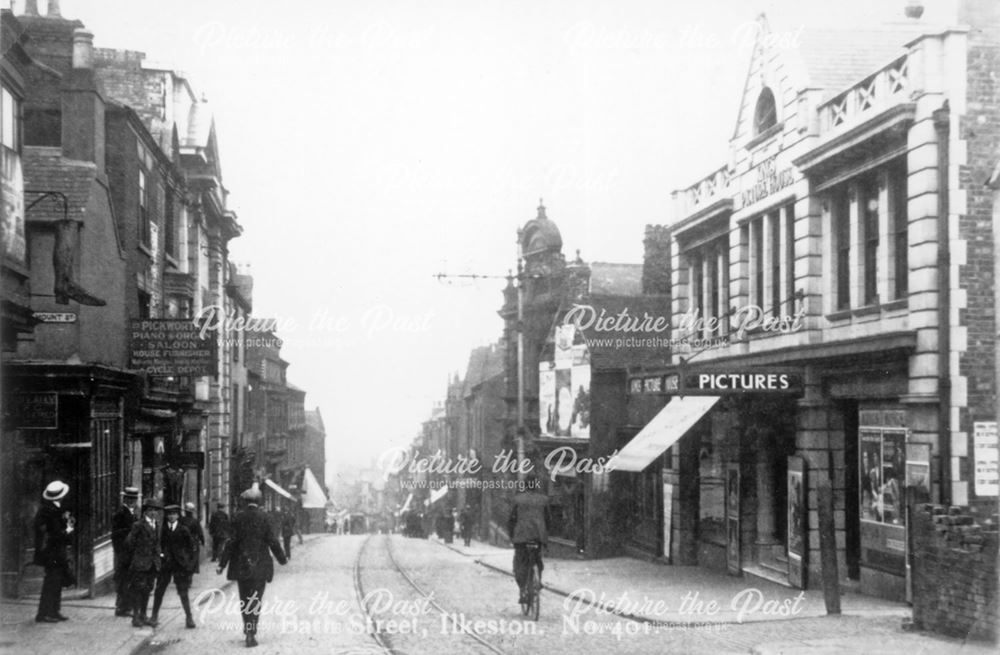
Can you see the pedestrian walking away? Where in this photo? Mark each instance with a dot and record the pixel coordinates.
(528, 524)
(142, 547)
(465, 525)
(179, 550)
(218, 529)
(287, 521)
(193, 525)
(121, 524)
(53, 527)
(248, 557)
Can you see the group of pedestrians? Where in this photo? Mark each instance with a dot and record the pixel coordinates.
(150, 555)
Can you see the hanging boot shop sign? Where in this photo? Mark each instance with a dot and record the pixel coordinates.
(171, 348)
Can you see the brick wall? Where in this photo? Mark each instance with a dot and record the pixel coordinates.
(656, 260)
(954, 571)
(979, 128)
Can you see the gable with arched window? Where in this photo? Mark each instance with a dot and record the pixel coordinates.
(765, 115)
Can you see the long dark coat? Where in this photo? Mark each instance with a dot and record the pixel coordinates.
(143, 548)
(121, 524)
(246, 552)
(51, 540)
(179, 548)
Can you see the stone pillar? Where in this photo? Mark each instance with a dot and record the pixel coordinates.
(765, 500)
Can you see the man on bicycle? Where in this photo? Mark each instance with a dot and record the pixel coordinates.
(528, 524)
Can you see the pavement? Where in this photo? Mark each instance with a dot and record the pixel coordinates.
(104, 633)
(790, 621)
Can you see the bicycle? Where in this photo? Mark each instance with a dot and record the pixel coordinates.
(533, 585)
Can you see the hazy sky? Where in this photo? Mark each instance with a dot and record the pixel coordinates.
(369, 145)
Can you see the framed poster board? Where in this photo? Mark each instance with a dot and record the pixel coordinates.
(733, 563)
(798, 521)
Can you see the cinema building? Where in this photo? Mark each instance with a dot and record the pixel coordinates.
(838, 271)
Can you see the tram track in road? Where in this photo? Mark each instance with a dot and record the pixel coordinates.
(391, 644)
(359, 592)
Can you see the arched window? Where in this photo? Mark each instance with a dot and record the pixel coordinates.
(765, 116)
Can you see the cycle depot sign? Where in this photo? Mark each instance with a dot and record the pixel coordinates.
(171, 348)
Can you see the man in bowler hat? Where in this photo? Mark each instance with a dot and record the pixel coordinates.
(53, 528)
(143, 551)
(121, 524)
(249, 560)
(178, 548)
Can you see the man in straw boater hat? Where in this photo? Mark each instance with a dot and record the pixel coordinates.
(250, 564)
(143, 551)
(53, 526)
(178, 548)
(121, 524)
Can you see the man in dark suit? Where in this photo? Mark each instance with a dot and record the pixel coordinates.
(218, 529)
(178, 548)
(248, 555)
(53, 527)
(121, 524)
(190, 521)
(143, 551)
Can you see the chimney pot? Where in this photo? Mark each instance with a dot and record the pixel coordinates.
(83, 48)
(54, 11)
(31, 8)
(914, 9)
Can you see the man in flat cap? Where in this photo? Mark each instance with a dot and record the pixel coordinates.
(178, 548)
(121, 524)
(143, 551)
(250, 565)
(190, 521)
(53, 528)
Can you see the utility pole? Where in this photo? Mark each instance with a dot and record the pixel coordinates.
(520, 277)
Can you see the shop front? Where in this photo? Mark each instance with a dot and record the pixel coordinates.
(68, 424)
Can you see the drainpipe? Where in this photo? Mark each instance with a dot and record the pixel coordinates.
(941, 126)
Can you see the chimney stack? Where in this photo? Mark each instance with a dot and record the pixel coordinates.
(82, 105)
(83, 48)
(31, 7)
(54, 11)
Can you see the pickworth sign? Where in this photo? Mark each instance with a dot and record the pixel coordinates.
(171, 347)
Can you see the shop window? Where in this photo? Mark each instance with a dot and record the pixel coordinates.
(105, 440)
(766, 113)
(881, 474)
(145, 305)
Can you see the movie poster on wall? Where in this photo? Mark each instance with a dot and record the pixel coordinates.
(564, 401)
(547, 398)
(580, 418)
